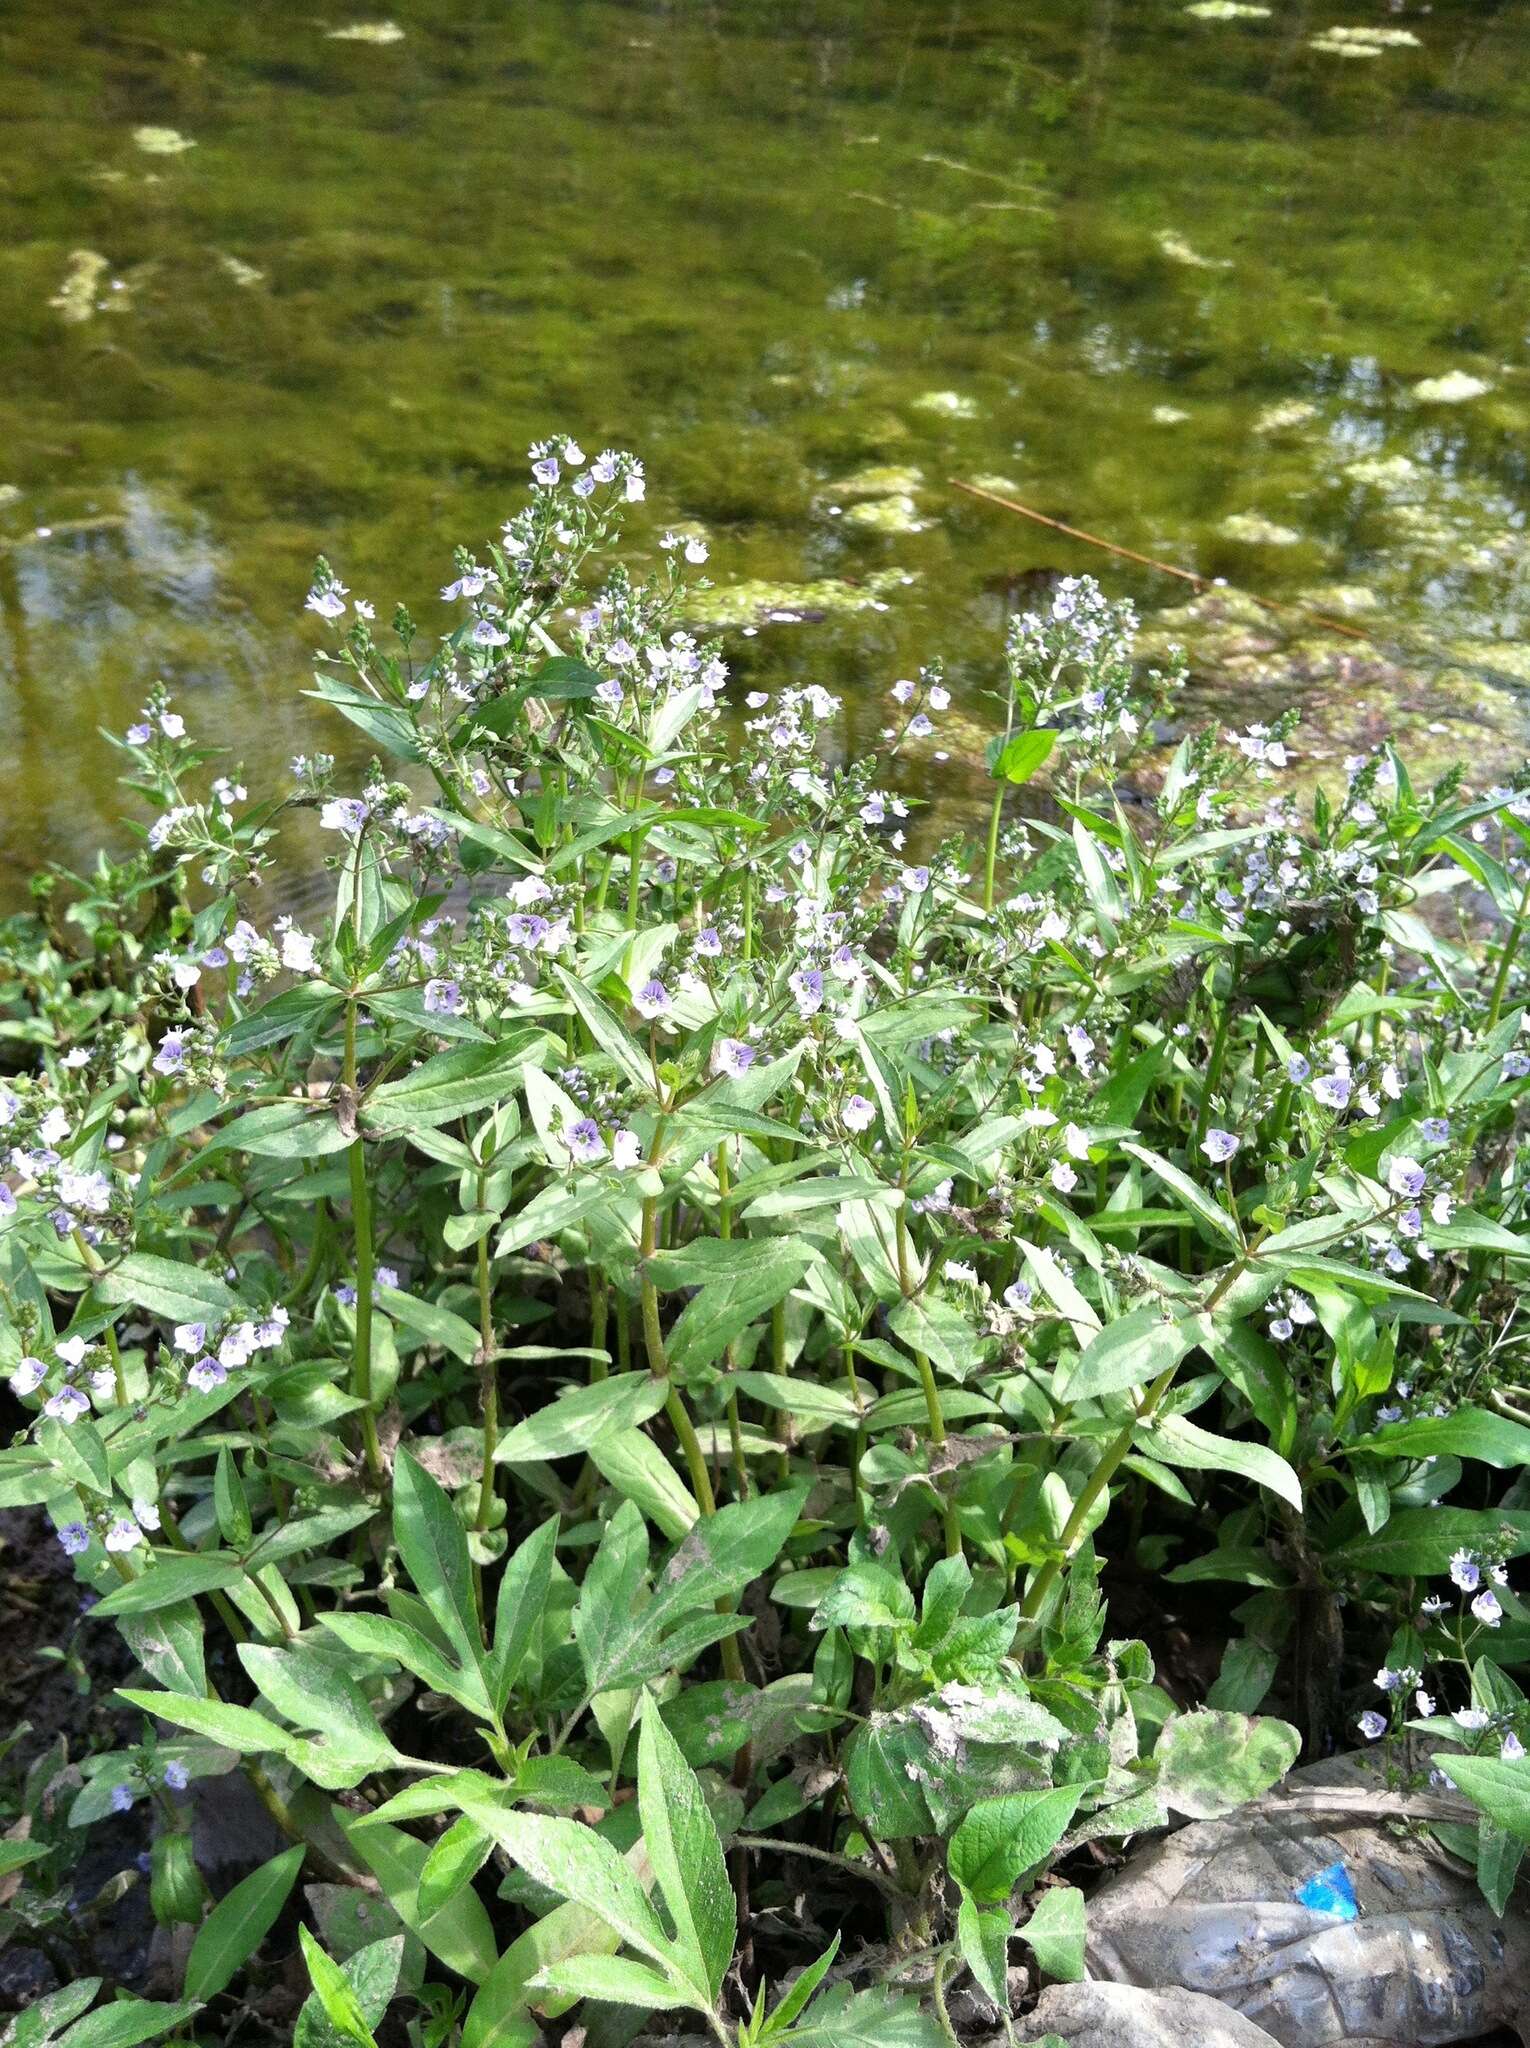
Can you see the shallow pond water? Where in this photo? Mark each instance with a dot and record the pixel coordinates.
(1240, 287)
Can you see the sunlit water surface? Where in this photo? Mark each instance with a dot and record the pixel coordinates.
(1234, 292)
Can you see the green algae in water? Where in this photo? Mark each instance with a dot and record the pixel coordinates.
(741, 243)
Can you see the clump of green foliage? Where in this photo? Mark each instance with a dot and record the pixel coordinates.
(604, 1376)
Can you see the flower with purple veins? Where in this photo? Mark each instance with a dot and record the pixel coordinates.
(122, 1799)
(584, 1143)
(652, 1000)
(859, 1113)
(806, 986)
(1372, 1725)
(28, 1376)
(67, 1405)
(1405, 1177)
(75, 1538)
(1435, 1130)
(1333, 1090)
(171, 1056)
(1487, 1609)
(443, 998)
(1465, 1571)
(124, 1534)
(732, 1057)
(346, 814)
(206, 1375)
(175, 1776)
(1219, 1146)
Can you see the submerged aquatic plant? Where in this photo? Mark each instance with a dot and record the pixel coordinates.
(624, 1349)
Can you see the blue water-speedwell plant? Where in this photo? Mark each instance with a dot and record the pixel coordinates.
(607, 1369)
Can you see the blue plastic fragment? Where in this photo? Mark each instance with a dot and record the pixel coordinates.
(1331, 1891)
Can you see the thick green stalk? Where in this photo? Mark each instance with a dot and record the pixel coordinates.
(361, 1226)
(674, 1406)
(488, 1376)
(991, 861)
(1116, 1452)
(1506, 957)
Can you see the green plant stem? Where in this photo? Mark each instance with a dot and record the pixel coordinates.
(674, 1405)
(991, 859)
(1214, 1068)
(489, 1378)
(96, 1264)
(1506, 958)
(938, 1993)
(361, 1226)
(1116, 1451)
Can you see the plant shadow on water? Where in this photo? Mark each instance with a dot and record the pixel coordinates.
(1221, 286)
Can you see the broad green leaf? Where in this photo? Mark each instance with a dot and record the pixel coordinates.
(522, 1601)
(1498, 1788)
(1178, 1441)
(610, 1035)
(237, 1728)
(165, 1287)
(461, 1933)
(334, 1992)
(1195, 1199)
(759, 1273)
(1467, 1433)
(78, 1452)
(451, 1084)
(442, 1327)
(1130, 1352)
(982, 1934)
(1418, 1543)
(1247, 1672)
(878, 2018)
(865, 1596)
(1058, 1287)
(582, 1417)
(617, 1980)
(127, 2023)
(1210, 1762)
(49, 2015)
(581, 1866)
(238, 1924)
(1000, 1839)
(686, 1854)
(314, 1692)
(640, 1472)
(433, 1545)
(455, 1859)
(380, 1635)
(1055, 1933)
(372, 1973)
(1025, 753)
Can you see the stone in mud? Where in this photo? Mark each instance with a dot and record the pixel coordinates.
(880, 480)
(1456, 387)
(951, 405)
(1178, 250)
(1122, 2016)
(755, 601)
(162, 141)
(897, 514)
(1168, 415)
(1227, 10)
(378, 32)
(1391, 473)
(1285, 415)
(75, 299)
(1256, 531)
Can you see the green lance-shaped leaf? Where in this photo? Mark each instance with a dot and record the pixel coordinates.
(686, 1854)
(433, 1545)
(126, 2023)
(372, 1973)
(582, 1417)
(523, 1590)
(335, 1993)
(238, 1924)
(1000, 1839)
(1018, 758)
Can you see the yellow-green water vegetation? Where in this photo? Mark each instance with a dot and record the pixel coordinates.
(275, 282)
